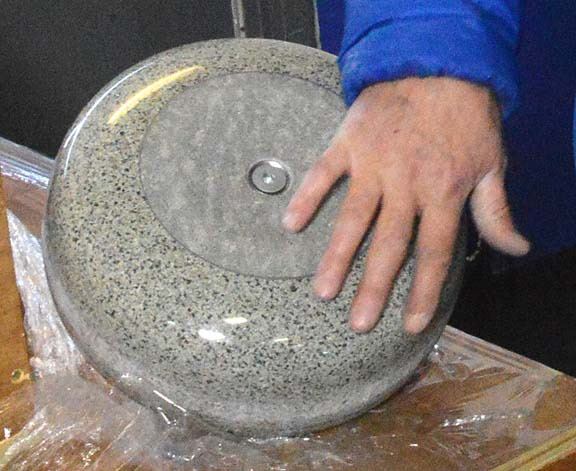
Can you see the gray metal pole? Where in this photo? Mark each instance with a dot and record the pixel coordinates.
(288, 20)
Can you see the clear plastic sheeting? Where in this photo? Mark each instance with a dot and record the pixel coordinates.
(54, 351)
(26, 176)
(21, 163)
(472, 407)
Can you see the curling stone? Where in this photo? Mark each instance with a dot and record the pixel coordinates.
(166, 257)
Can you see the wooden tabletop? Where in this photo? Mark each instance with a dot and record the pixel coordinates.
(14, 359)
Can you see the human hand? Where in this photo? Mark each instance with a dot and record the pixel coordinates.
(414, 148)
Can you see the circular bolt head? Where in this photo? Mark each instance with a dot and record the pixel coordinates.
(269, 176)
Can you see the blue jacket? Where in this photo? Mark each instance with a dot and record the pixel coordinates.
(524, 51)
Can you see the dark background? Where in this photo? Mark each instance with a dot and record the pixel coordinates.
(56, 54)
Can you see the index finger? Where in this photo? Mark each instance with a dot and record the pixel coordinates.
(316, 184)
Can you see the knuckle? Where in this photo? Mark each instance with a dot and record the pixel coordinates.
(454, 184)
(370, 289)
(322, 168)
(340, 251)
(391, 243)
(457, 186)
(439, 256)
(374, 285)
(448, 183)
(361, 199)
(330, 163)
(359, 202)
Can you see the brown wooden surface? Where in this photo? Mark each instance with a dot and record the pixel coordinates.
(566, 464)
(14, 365)
(27, 202)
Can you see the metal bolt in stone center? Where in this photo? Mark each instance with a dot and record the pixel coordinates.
(269, 176)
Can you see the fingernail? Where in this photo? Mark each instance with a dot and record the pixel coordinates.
(290, 221)
(363, 315)
(362, 322)
(523, 245)
(416, 323)
(326, 288)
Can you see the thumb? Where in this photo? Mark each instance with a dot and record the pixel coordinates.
(493, 219)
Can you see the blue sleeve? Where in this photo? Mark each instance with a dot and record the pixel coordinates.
(473, 40)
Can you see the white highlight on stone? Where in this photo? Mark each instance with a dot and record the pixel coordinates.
(211, 335)
(168, 400)
(235, 320)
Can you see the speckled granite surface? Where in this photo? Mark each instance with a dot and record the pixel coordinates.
(196, 160)
(252, 355)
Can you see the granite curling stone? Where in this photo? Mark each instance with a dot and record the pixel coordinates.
(166, 257)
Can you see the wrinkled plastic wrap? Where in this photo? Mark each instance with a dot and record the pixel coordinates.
(472, 407)
(22, 164)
